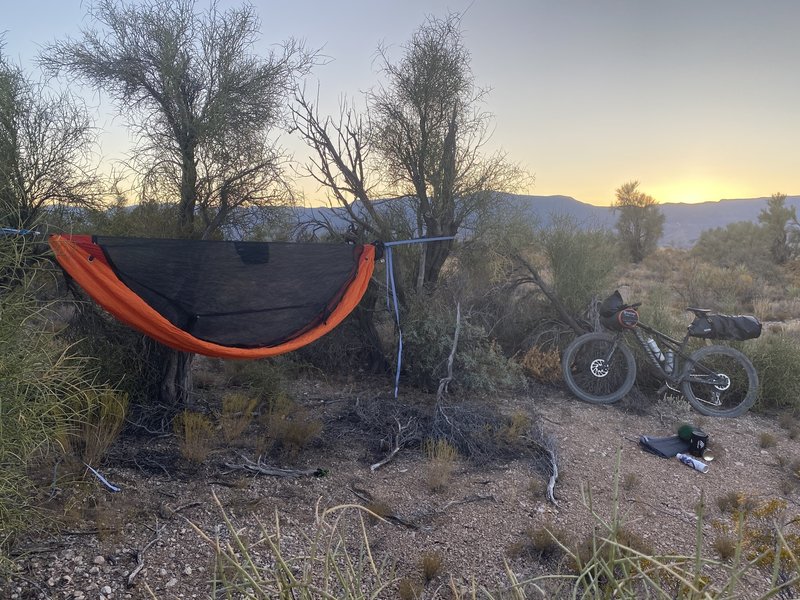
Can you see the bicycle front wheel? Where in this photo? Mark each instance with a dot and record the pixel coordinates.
(598, 369)
(720, 381)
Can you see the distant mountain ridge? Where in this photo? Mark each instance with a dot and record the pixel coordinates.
(683, 222)
(682, 226)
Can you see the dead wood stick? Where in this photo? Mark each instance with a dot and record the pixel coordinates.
(444, 382)
(551, 484)
(261, 469)
(467, 500)
(140, 558)
(404, 433)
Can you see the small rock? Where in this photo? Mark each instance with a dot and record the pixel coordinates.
(187, 570)
(94, 570)
(172, 583)
(99, 560)
(106, 590)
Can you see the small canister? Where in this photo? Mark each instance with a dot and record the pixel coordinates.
(698, 443)
(691, 461)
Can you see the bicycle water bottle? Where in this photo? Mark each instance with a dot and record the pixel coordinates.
(651, 343)
(669, 361)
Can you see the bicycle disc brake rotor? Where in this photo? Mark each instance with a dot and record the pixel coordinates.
(599, 367)
(724, 382)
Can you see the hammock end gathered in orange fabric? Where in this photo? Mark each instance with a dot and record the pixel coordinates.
(226, 299)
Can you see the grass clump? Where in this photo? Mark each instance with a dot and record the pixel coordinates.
(767, 440)
(45, 389)
(541, 543)
(442, 457)
(431, 565)
(288, 427)
(775, 355)
(195, 434)
(99, 423)
(236, 415)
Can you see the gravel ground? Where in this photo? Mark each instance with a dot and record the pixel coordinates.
(141, 543)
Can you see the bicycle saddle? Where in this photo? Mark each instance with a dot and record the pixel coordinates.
(698, 312)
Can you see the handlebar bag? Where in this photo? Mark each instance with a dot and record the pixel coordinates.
(726, 327)
(611, 305)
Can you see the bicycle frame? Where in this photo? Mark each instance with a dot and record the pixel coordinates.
(677, 376)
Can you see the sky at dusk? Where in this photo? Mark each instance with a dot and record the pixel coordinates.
(697, 99)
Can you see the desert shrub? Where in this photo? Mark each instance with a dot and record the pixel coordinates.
(579, 261)
(44, 383)
(723, 289)
(124, 359)
(195, 434)
(264, 377)
(428, 330)
(776, 358)
(753, 525)
(741, 243)
(542, 364)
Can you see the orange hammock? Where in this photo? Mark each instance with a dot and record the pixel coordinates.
(225, 299)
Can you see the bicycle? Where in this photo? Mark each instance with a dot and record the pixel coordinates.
(717, 380)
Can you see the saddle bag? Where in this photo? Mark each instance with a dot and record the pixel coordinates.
(725, 327)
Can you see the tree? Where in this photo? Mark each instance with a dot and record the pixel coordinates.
(203, 105)
(45, 150)
(420, 141)
(777, 219)
(204, 108)
(640, 223)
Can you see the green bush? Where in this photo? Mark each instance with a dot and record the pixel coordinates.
(776, 357)
(45, 388)
(580, 261)
(428, 330)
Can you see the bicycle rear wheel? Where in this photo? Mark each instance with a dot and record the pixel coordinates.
(720, 381)
(597, 369)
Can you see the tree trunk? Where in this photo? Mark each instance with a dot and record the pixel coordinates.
(188, 192)
(436, 255)
(175, 384)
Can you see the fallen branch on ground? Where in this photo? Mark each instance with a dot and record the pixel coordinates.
(261, 469)
(140, 557)
(405, 433)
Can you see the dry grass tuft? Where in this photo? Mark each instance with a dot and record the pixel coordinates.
(237, 414)
(289, 427)
(767, 440)
(542, 365)
(195, 436)
(431, 565)
(409, 590)
(442, 457)
(725, 546)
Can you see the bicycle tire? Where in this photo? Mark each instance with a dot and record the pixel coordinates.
(589, 377)
(731, 399)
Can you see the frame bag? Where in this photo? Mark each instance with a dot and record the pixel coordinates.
(725, 327)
